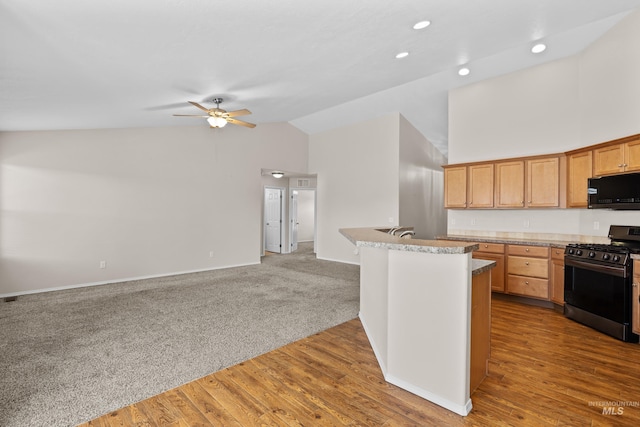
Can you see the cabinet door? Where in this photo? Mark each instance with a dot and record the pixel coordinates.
(455, 187)
(510, 184)
(543, 183)
(579, 166)
(608, 160)
(632, 156)
(557, 281)
(481, 186)
(497, 273)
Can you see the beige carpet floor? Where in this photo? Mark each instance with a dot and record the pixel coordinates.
(69, 356)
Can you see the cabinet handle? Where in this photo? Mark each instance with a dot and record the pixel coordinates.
(624, 165)
(526, 263)
(529, 201)
(526, 250)
(486, 246)
(620, 165)
(526, 282)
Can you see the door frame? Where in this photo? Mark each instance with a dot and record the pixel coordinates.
(282, 190)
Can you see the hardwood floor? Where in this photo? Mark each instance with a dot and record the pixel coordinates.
(544, 370)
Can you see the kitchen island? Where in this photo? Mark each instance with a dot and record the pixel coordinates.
(416, 300)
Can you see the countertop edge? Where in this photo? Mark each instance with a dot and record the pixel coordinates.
(373, 237)
(479, 266)
(508, 241)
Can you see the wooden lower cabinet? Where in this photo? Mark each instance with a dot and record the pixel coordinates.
(493, 252)
(635, 306)
(480, 328)
(556, 291)
(528, 271)
(528, 286)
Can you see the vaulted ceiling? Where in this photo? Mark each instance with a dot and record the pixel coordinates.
(78, 64)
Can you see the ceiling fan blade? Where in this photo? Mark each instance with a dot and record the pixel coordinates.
(236, 113)
(240, 122)
(189, 115)
(199, 106)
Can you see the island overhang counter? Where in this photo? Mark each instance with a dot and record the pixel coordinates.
(416, 309)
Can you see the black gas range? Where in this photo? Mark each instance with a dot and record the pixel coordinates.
(598, 282)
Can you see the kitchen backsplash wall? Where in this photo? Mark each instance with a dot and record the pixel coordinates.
(555, 224)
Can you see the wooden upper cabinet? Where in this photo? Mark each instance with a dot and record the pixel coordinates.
(608, 160)
(617, 158)
(480, 186)
(510, 184)
(632, 156)
(455, 187)
(579, 168)
(543, 183)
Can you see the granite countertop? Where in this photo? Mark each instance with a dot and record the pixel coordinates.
(509, 240)
(378, 238)
(481, 265)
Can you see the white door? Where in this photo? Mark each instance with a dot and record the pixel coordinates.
(272, 219)
(294, 220)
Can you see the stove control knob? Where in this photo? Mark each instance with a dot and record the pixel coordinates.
(616, 258)
(571, 251)
(606, 257)
(579, 252)
(592, 254)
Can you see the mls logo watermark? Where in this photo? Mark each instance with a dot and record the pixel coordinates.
(614, 408)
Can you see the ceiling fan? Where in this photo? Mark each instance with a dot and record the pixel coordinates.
(217, 117)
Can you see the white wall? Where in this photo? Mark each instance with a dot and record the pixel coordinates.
(147, 201)
(535, 111)
(421, 184)
(559, 106)
(357, 170)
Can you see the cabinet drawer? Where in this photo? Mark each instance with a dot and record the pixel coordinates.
(557, 253)
(537, 251)
(533, 267)
(494, 248)
(538, 288)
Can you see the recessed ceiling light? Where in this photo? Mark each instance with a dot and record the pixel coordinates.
(402, 55)
(422, 24)
(540, 47)
(463, 71)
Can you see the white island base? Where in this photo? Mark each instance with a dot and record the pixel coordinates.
(415, 306)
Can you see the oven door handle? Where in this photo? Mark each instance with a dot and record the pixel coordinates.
(607, 269)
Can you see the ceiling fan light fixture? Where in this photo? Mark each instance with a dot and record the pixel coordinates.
(277, 174)
(217, 122)
(422, 24)
(539, 48)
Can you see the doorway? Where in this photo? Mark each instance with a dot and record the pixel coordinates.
(302, 217)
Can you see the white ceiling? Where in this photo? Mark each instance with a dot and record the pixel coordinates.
(79, 64)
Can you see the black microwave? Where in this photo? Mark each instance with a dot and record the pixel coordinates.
(615, 192)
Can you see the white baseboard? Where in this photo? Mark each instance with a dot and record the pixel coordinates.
(126, 279)
(338, 260)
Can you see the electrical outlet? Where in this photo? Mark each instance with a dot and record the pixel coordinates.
(526, 223)
(390, 220)
(103, 264)
(596, 225)
(453, 221)
(473, 221)
(211, 254)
